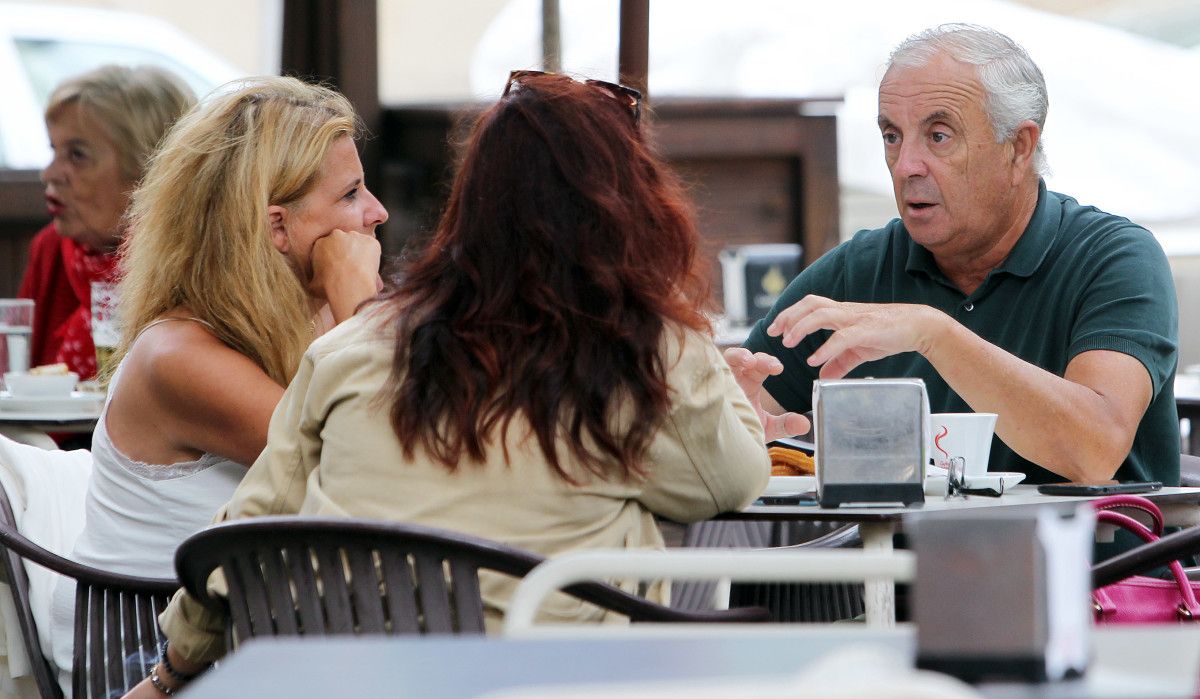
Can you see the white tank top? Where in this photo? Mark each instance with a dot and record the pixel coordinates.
(137, 514)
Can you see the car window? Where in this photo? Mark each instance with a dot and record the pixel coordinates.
(50, 61)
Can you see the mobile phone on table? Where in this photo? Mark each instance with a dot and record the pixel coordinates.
(1094, 489)
(797, 499)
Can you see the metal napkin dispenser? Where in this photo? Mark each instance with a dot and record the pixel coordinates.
(871, 440)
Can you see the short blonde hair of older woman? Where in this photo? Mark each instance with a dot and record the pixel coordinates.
(199, 229)
(135, 106)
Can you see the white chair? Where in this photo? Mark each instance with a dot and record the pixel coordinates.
(780, 565)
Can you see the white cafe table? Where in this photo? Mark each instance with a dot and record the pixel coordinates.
(76, 413)
(878, 525)
(1127, 663)
(48, 421)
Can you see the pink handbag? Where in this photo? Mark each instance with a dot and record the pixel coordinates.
(1139, 599)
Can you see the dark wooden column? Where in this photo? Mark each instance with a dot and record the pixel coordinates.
(633, 53)
(22, 213)
(336, 42)
(551, 37)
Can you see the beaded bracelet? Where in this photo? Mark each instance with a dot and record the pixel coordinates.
(175, 674)
(160, 686)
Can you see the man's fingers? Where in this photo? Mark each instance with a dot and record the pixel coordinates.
(795, 424)
(788, 316)
(843, 364)
(785, 425)
(830, 318)
(758, 365)
(737, 356)
(767, 364)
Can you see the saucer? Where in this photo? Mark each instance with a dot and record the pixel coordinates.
(997, 480)
(779, 486)
(77, 402)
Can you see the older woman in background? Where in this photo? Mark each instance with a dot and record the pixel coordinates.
(252, 227)
(543, 374)
(103, 126)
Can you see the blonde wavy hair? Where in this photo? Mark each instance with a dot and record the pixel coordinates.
(135, 105)
(199, 231)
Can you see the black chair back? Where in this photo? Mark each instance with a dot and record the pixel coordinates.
(289, 576)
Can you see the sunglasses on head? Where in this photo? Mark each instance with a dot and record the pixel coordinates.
(627, 96)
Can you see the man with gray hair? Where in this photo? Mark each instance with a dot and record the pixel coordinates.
(1002, 296)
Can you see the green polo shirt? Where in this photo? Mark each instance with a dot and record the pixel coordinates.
(1077, 280)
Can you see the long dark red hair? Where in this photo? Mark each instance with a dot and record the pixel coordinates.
(565, 252)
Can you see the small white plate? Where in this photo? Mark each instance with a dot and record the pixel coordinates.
(1000, 480)
(779, 486)
(76, 403)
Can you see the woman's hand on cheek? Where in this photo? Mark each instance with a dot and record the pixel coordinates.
(345, 270)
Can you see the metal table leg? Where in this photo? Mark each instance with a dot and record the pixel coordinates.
(880, 593)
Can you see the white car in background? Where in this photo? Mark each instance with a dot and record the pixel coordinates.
(40, 45)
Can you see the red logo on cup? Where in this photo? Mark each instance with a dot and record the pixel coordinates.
(944, 462)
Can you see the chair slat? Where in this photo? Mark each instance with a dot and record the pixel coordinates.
(239, 612)
(83, 601)
(279, 592)
(95, 643)
(367, 602)
(433, 593)
(130, 648)
(400, 593)
(147, 622)
(255, 597)
(303, 577)
(110, 641)
(468, 600)
(332, 574)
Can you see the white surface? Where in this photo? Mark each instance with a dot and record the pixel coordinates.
(857, 670)
(52, 407)
(790, 485)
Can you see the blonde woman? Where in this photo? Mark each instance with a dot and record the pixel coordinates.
(252, 225)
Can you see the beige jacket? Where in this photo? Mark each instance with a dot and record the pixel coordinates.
(331, 451)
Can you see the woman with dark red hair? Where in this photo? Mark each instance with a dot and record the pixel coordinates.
(541, 374)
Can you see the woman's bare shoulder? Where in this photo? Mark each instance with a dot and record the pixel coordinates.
(185, 356)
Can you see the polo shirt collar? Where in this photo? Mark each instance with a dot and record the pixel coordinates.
(1026, 255)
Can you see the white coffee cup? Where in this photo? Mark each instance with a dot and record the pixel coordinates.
(965, 435)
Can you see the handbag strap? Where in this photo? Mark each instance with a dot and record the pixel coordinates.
(1132, 502)
(1190, 605)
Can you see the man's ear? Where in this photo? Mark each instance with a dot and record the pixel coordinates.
(277, 219)
(1025, 142)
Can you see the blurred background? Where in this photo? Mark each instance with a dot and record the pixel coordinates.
(767, 107)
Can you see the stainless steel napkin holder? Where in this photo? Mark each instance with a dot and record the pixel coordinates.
(870, 440)
(1028, 619)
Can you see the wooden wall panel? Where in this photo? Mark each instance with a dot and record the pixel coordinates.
(22, 214)
(741, 201)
